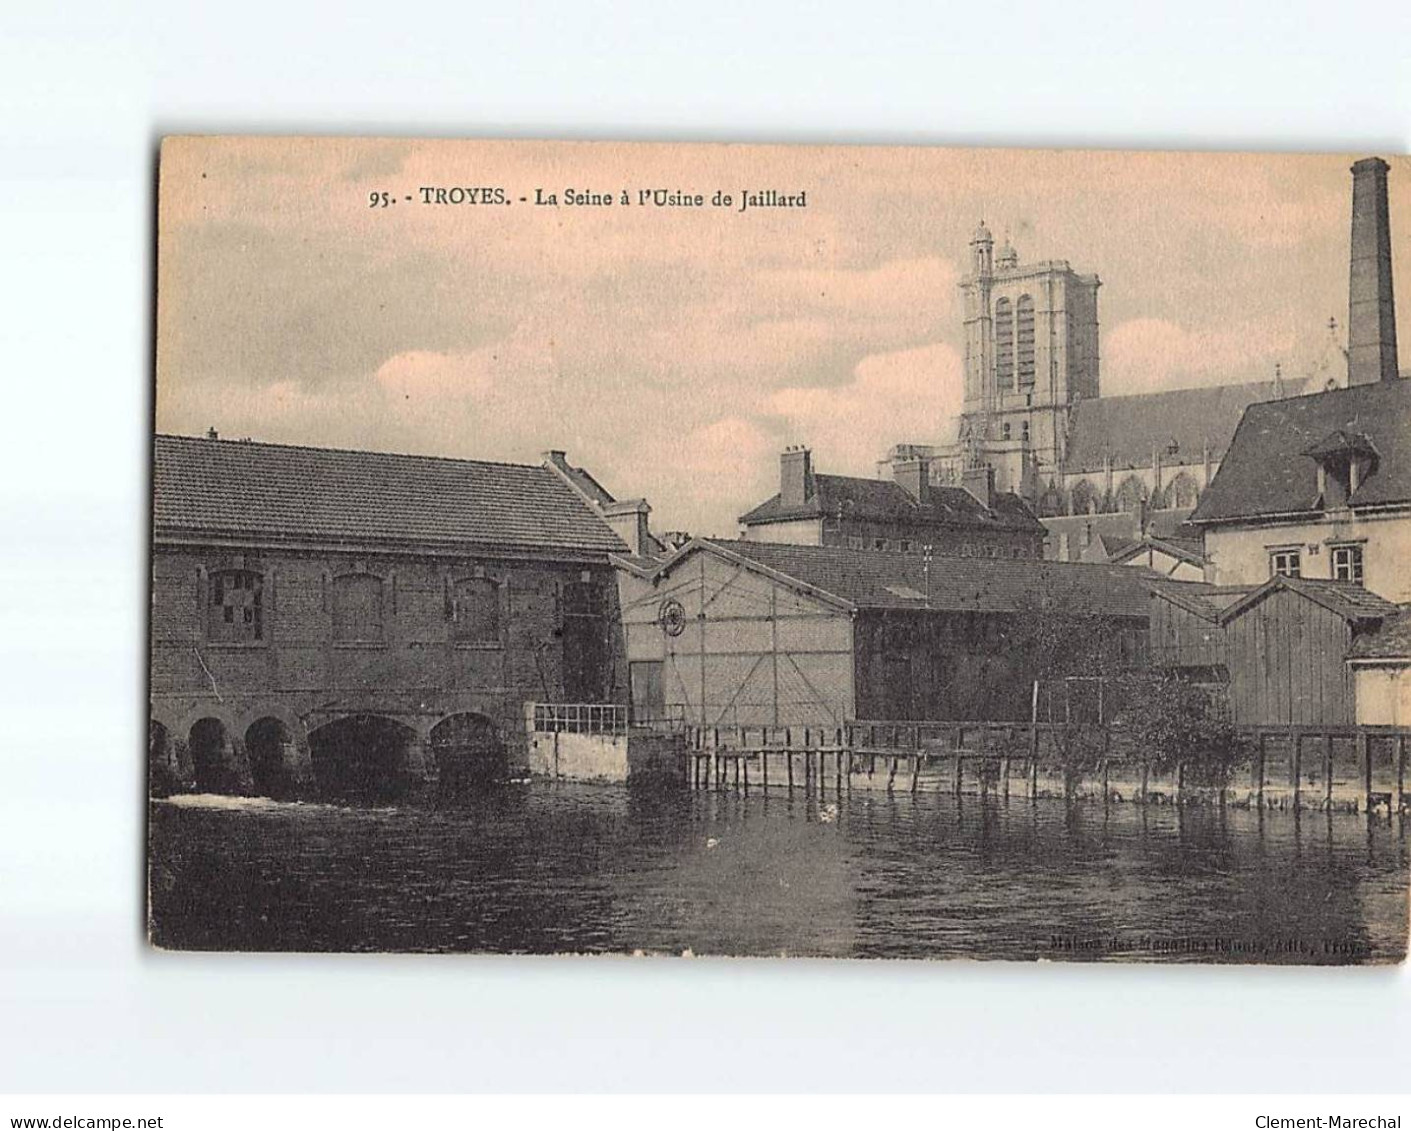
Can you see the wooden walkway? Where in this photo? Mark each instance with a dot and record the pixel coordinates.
(1356, 769)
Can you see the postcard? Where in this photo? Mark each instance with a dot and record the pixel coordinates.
(747, 550)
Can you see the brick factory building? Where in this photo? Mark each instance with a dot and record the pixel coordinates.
(361, 624)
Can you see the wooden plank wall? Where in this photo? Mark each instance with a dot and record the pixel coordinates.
(1286, 660)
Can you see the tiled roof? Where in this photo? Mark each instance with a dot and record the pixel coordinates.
(1199, 597)
(1128, 428)
(1183, 549)
(875, 579)
(241, 488)
(1391, 640)
(1345, 598)
(1267, 470)
(882, 500)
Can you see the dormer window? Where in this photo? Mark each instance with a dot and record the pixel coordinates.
(1345, 460)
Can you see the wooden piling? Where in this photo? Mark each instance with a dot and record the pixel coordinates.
(1004, 777)
(764, 769)
(1260, 759)
(1146, 778)
(789, 768)
(1327, 773)
(1364, 744)
(955, 773)
(837, 771)
(1398, 798)
(746, 769)
(915, 770)
(891, 773)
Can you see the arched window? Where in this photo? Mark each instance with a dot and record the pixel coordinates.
(235, 610)
(1182, 492)
(1024, 349)
(1084, 498)
(1051, 502)
(1004, 344)
(357, 607)
(1131, 494)
(476, 611)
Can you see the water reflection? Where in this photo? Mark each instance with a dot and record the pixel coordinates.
(553, 868)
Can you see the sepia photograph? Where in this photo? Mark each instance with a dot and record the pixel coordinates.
(779, 551)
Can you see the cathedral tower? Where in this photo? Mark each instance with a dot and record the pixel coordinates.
(1031, 350)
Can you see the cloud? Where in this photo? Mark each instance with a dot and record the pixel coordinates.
(1144, 355)
(901, 395)
(441, 375)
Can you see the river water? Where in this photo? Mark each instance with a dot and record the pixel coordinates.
(549, 867)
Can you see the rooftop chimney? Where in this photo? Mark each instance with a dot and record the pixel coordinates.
(914, 477)
(795, 476)
(629, 521)
(1371, 311)
(980, 482)
(212, 434)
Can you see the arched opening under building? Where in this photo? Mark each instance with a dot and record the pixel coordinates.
(270, 746)
(163, 774)
(214, 758)
(468, 753)
(364, 759)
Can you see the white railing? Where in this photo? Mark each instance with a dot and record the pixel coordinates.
(580, 718)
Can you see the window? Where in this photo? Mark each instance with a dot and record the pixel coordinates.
(1024, 431)
(854, 542)
(1024, 319)
(357, 608)
(905, 546)
(879, 544)
(1004, 344)
(1183, 491)
(476, 611)
(1004, 431)
(235, 613)
(1347, 563)
(1284, 563)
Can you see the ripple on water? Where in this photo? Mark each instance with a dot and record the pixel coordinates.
(551, 868)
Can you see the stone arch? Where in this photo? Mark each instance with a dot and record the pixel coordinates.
(218, 763)
(279, 762)
(165, 771)
(1084, 498)
(366, 758)
(1131, 494)
(468, 752)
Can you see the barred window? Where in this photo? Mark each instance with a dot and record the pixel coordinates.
(1004, 344)
(235, 611)
(1024, 320)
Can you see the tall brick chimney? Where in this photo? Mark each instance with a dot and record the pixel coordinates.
(1371, 311)
(795, 476)
(914, 477)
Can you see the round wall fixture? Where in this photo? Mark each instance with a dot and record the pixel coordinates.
(672, 617)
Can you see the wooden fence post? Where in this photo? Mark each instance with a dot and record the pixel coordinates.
(1399, 797)
(1327, 772)
(1259, 761)
(1364, 743)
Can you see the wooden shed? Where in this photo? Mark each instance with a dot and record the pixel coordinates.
(731, 633)
(1282, 647)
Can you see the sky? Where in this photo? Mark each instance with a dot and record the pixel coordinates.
(674, 351)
